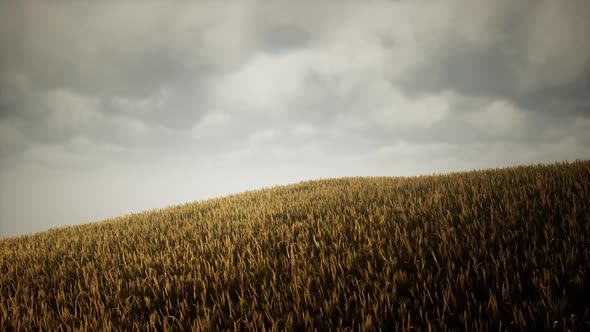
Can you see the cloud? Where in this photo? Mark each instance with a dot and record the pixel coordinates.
(265, 84)
(138, 107)
(556, 47)
(12, 140)
(119, 48)
(386, 70)
(66, 113)
(303, 130)
(389, 109)
(532, 52)
(499, 118)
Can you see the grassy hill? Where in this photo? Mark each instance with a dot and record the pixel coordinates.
(482, 250)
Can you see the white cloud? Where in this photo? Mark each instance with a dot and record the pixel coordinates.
(142, 105)
(403, 150)
(54, 156)
(211, 33)
(374, 42)
(382, 106)
(499, 118)
(397, 111)
(267, 83)
(262, 136)
(213, 124)
(134, 130)
(303, 130)
(80, 152)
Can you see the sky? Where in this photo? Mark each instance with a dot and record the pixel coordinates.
(113, 107)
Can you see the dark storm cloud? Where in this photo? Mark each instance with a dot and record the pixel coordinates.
(124, 49)
(535, 55)
(491, 74)
(83, 70)
(71, 70)
(569, 99)
(465, 69)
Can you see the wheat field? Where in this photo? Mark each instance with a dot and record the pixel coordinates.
(498, 249)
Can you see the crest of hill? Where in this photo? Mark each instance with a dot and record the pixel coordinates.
(477, 250)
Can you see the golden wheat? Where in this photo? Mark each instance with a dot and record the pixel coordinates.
(483, 250)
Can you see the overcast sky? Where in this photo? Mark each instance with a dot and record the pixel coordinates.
(111, 107)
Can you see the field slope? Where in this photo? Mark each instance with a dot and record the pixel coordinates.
(482, 250)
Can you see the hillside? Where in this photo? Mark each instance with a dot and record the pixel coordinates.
(481, 250)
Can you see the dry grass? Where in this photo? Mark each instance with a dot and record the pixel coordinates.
(484, 250)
